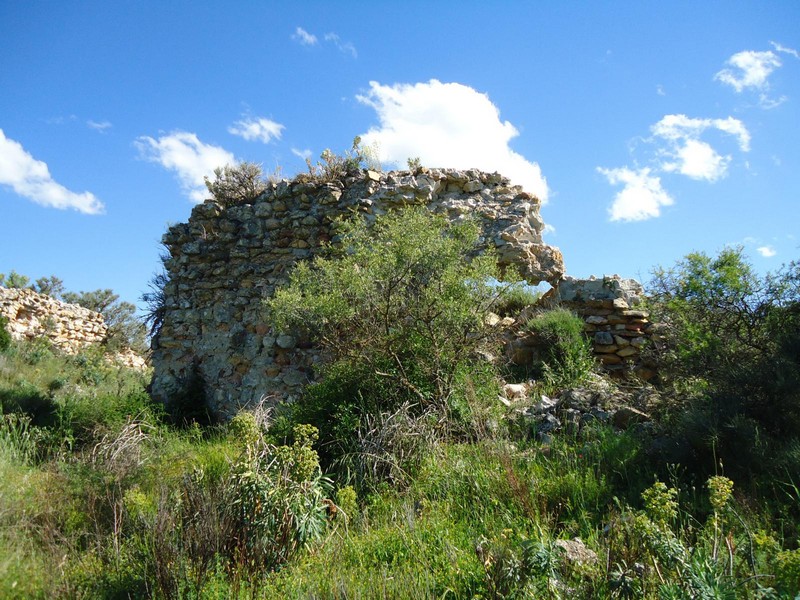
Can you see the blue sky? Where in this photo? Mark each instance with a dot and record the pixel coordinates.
(651, 129)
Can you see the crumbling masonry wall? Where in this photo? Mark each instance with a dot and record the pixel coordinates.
(69, 327)
(227, 259)
(615, 323)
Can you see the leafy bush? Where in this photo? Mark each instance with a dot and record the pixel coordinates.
(514, 299)
(237, 184)
(399, 309)
(5, 336)
(567, 359)
(333, 167)
(277, 498)
(401, 303)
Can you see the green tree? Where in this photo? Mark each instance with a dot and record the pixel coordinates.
(398, 309)
(735, 331)
(50, 286)
(402, 301)
(14, 280)
(124, 329)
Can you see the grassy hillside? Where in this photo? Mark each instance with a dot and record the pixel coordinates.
(101, 497)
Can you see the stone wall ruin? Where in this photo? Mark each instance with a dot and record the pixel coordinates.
(617, 326)
(227, 259)
(68, 327)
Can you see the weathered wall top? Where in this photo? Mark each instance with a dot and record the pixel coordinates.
(68, 326)
(599, 288)
(615, 322)
(226, 260)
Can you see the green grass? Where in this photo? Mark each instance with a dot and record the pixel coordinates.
(97, 490)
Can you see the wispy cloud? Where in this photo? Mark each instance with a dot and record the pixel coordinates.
(346, 47)
(641, 197)
(304, 38)
(304, 154)
(681, 127)
(60, 120)
(765, 250)
(31, 179)
(101, 126)
(447, 125)
(687, 154)
(784, 50)
(190, 159)
(257, 128)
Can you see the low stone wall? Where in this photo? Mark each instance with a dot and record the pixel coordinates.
(227, 259)
(614, 322)
(617, 325)
(68, 327)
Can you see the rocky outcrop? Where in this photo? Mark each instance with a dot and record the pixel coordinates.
(69, 327)
(227, 259)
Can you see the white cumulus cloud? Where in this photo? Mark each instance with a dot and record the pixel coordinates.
(305, 38)
(257, 128)
(447, 125)
(749, 69)
(697, 160)
(766, 251)
(641, 197)
(687, 154)
(190, 159)
(30, 178)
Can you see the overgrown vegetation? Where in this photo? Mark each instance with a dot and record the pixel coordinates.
(5, 336)
(400, 474)
(568, 358)
(333, 166)
(399, 307)
(731, 350)
(237, 184)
